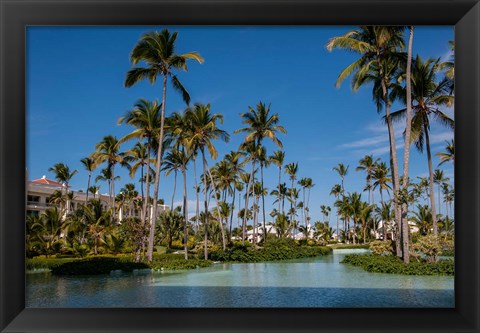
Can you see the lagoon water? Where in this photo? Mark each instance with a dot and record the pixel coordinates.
(316, 282)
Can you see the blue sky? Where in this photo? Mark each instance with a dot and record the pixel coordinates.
(75, 94)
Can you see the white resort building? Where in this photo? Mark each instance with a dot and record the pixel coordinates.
(40, 190)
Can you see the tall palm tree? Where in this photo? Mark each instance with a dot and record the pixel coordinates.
(381, 179)
(365, 211)
(261, 125)
(204, 131)
(449, 154)
(291, 169)
(63, 174)
(137, 156)
(157, 51)
(278, 158)
(236, 166)
(107, 151)
(380, 53)
(342, 171)
(384, 212)
(439, 179)
(367, 164)
(306, 183)
(427, 96)
(89, 165)
(173, 162)
(423, 219)
(336, 191)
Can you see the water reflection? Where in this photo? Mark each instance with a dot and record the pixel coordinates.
(319, 282)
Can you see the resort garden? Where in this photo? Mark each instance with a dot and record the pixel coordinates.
(407, 222)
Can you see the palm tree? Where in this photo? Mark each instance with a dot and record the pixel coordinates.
(342, 171)
(145, 118)
(63, 174)
(173, 162)
(236, 167)
(336, 191)
(427, 96)
(260, 125)
(291, 169)
(449, 154)
(204, 131)
(381, 179)
(439, 179)
(157, 50)
(367, 164)
(278, 158)
(107, 150)
(385, 214)
(138, 157)
(365, 211)
(423, 219)
(306, 183)
(379, 48)
(89, 165)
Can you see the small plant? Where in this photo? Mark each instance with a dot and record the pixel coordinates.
(380, 248)
(430, 246)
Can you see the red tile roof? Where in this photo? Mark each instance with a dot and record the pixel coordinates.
(44, 180)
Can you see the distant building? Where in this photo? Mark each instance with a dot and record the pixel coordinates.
(40, 190)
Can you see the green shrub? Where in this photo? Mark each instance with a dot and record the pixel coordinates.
(350, 246)
(95, 266)
(430, 246)
(278, 249)
(394, 265)
(177, 262)
(381, 247)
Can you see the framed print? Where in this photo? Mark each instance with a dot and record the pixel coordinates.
(283, 197)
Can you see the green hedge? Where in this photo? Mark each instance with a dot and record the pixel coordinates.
(350, 246)
(177, 262)
(95, 266)
(394, 265)
(273, 250)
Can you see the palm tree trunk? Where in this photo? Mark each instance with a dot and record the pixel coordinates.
(151, 236)
(279, 183)
(439, 195)
(231, 215)
(430, 170)
(393, 160)
(174, 189)
(144, 204)
(185, 212)
(263, 205)
(141, 181)
(224, 245)
(384, 223)
(406, 152)
(197, 207)
(88, 185)
(206, 203)
(246, 201)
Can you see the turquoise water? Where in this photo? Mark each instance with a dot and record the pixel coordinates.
(318, 282)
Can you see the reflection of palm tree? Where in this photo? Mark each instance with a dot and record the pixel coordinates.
(157, 50)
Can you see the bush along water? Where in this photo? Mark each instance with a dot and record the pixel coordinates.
(394, 265)
(279, 249)
(425, 253)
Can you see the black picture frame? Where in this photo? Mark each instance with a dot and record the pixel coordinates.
(16, 15)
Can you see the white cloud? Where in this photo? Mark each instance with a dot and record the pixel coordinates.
(441, 137)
